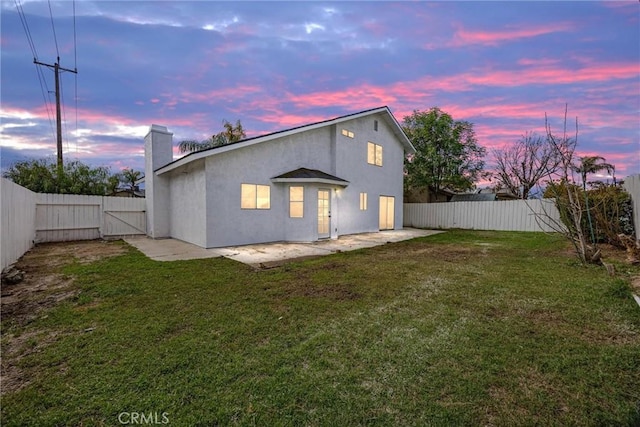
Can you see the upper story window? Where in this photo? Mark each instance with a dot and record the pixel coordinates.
(375, 125)
(296, 202)
(255, 196)
(374, 154)
(347, 133)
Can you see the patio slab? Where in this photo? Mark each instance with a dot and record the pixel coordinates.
(269, 253)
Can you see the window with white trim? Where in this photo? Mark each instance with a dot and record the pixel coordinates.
(374, 154)
(363, 201)
(347, 133)
(296, 202)
(255, 196)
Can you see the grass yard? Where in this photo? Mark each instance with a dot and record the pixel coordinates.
(460, 328)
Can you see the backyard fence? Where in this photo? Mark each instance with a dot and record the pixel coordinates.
(29, 218)
(17, 209)
(513, 215)
(65, 217)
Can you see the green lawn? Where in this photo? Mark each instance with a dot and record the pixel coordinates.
(460, 328)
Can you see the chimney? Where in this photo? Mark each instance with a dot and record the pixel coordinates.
(158, 152)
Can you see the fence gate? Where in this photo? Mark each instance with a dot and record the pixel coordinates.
(122, 223)
(123, 216)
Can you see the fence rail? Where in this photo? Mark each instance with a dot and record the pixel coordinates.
(513, 215)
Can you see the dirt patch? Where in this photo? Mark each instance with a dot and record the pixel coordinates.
(43, 287)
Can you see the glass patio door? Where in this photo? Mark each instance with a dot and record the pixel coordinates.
(324, 214)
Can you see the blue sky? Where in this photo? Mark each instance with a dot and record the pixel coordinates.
(275, 65)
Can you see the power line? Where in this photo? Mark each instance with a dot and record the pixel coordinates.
(53, 27)
(75, 66)
(64, 114)
(75, 44)
(44, 98)
(27, 31)
(57, 69)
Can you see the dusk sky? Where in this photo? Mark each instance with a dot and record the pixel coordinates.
(276, 65)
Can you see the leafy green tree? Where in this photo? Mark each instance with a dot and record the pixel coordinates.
(42, 176)
(230, 134)
(447, 152)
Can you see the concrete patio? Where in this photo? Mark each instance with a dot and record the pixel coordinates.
(267, 254)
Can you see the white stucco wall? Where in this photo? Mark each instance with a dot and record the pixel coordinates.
(203, 199)
(187, 197)
(228, 224)
(386, 180)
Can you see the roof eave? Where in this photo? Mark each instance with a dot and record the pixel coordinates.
(409, 149)
(311, 181)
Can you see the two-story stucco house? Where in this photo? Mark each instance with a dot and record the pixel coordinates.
(322, 180)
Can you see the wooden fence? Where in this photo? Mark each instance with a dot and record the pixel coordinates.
(64, 217)
(29, 218)
(513, 215)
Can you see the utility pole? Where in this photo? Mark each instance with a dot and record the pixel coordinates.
(56, 69)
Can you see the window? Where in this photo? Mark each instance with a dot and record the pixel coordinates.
(363, 201)
(296, 202)
(375, 125)
(348, 133)
(374, 154)
(254, 196)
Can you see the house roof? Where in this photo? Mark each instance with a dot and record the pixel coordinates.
(389, 118)
(310, 175)
(476, 197)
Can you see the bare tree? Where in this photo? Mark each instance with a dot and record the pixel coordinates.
(520, 167)
(568, 195)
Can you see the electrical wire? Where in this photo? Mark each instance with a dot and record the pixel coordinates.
(64, 116)
(75, 67)
(44, 98)
(34, 52)
(55, 38)
(27, 31)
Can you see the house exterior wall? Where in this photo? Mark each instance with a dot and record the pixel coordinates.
(202, 195)
(187, 201)
(376, 181)
(228, 224)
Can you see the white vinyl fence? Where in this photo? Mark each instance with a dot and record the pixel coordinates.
(29, 218)
(512, 215)
(18, 226)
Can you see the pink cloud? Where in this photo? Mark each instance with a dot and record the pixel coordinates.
(361, 96)
(464, 37)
